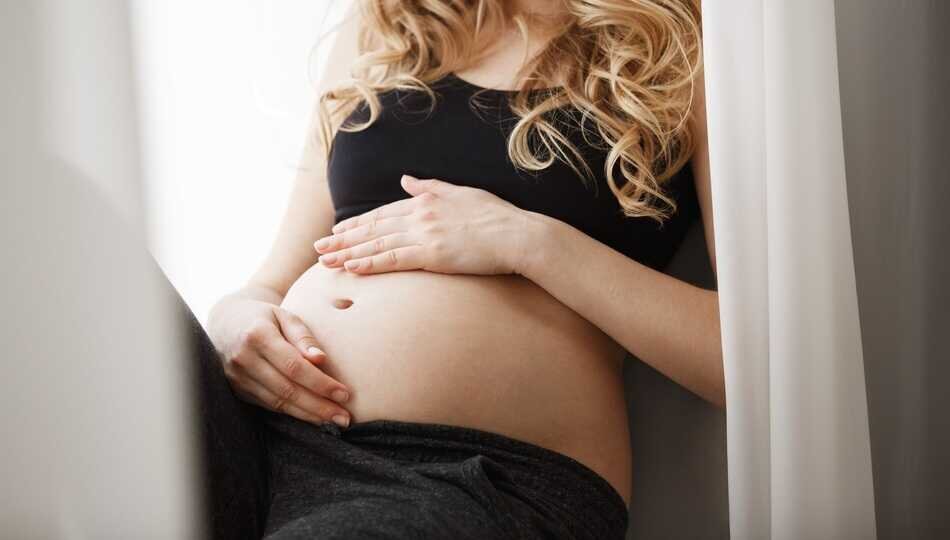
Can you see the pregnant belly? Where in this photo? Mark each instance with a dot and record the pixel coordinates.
(496, 353)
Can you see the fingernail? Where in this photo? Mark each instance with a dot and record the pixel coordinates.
(340, 395)
(341, 420)
(408, 177)
(328, 259)
(313, 351)
(351, 265)
(321, 243)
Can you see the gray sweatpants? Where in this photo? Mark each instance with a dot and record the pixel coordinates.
(393, 479)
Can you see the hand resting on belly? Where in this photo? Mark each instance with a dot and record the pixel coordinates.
(271, 359)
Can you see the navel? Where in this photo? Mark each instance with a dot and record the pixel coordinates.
(342, 303)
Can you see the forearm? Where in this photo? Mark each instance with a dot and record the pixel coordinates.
(668, 323)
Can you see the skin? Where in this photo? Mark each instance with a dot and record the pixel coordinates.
(472, 231)
(273, 359)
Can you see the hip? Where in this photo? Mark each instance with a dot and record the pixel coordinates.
(426, 480)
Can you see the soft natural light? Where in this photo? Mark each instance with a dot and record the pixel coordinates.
(226, 88)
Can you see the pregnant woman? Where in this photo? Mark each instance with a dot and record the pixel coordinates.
(434, 346)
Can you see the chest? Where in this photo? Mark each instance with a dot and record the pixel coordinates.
(466, 144)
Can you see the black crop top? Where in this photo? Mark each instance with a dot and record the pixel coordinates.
(467, 146)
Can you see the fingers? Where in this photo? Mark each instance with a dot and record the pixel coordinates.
(402, 258)
(256, 392)
(297, 333)
(375, 246)
(286, 392)
(422, 191)
(265, 368)
(402, 207)
(286, 359)
(362, 233)
(415, 186)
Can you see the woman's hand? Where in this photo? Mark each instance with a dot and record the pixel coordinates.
(442, 228)
(271, 358)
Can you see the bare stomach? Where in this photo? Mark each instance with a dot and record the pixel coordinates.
(496, 353)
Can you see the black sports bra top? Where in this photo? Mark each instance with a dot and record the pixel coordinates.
(467, 145)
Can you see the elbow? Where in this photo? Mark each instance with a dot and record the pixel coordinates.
(718, 398)
(717, 385)
(712, 392)
(719, 369)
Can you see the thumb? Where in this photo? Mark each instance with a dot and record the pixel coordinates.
(415, 186)
(297, 333)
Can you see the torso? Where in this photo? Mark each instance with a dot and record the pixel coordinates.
(497, 353)
(491, 352)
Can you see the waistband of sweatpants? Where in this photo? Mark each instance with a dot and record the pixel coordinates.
(564, 481)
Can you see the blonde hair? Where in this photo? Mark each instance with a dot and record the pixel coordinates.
(627, 66)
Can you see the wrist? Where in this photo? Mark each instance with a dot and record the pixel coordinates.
(231, 308)
(220, 317)
(537, 233)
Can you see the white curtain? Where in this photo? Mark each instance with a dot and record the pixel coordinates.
(798, 446)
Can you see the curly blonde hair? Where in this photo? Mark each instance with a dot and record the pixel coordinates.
(627, 66)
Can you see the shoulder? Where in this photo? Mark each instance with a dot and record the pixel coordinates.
(344, 49)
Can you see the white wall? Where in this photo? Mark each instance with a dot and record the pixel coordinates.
(93, 433)
(225, 93)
